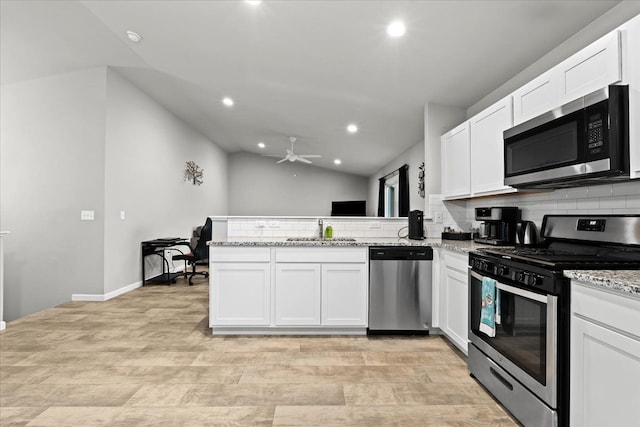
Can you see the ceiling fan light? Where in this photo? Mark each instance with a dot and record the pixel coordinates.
(352, 128)
(134, 37)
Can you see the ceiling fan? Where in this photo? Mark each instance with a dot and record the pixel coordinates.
(293, 157)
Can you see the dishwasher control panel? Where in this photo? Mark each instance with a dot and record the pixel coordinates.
(401, 253)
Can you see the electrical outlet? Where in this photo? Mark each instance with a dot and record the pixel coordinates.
(438, 217)
(274, 224)
(123, 215)
(261, 224)
(87, 215)
(376, 225)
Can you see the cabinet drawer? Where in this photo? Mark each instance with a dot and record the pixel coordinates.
(322, 255)
(239, 254)
(458, 262)
(606, 307)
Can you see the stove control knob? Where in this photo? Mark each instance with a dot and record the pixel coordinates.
(519, 276)
(502, 271)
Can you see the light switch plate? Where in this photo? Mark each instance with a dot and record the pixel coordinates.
(438, 217)
(261, 224)
(123, 215)
(87, 215)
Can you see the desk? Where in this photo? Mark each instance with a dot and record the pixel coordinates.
(157, 247)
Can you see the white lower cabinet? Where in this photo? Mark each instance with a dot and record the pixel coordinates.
(297, 294)
(280, 290)
(240, 294)
(605, 358)
(344, 294)
(453, 295)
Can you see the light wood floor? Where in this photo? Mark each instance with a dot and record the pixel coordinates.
(148, 358)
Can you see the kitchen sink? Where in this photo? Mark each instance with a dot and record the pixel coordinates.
(320, 239)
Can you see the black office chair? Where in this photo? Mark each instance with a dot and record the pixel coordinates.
(199, 252)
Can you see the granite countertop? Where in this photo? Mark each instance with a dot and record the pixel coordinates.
(623, 281)
(463, 246)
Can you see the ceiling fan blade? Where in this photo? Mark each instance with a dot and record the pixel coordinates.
(282, 160)
(303, 160)
(271, 155)
(309, 156)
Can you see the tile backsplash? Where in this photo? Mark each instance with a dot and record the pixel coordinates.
(622, 198)
(282, 227)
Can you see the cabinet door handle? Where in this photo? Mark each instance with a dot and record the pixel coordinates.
(502, 379)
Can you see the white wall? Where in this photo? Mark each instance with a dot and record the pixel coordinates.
(146, 151)
(413, 157)
(52, 165)
(259, 186)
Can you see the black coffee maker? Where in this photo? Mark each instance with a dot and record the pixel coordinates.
(498, 225)
(416, 225)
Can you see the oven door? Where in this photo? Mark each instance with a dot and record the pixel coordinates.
(525, 342)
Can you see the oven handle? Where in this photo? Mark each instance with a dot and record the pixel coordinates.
(514, 290)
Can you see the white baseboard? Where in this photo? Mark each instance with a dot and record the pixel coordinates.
(3, 325)
(107, 296)
(117, 292)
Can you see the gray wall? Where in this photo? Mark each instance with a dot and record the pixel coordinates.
(438, 119)
(413, 157)
(90, 140)
(52, 163)
(146, 151)
(259, 186)
(598, 28)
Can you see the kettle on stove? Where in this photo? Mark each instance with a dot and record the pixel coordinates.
(526, 233)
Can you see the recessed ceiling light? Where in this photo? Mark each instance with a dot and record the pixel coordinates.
(227, 101)
(352, 128)
(396, 29)
(261, 144)
(254, 2)
(134, 37)
(337, 161)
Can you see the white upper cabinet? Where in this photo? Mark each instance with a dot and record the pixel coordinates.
(594, 67)
(487, 148)
(456, 162)
(536, 97)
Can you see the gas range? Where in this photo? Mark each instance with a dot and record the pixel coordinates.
(523, 360)
(585, 242)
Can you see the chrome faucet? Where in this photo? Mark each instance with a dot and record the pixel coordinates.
(320, 231)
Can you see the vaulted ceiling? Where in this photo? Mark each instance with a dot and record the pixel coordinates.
(295, 68)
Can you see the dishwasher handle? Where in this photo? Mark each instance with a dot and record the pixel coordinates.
(421, 253)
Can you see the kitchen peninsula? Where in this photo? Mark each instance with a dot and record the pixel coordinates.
(296, 286)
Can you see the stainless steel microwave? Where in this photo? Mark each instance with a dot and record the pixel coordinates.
(583, 142)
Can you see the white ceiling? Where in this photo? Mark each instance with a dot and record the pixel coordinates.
(301, 68)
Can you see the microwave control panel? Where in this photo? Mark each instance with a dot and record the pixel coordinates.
(595, 134)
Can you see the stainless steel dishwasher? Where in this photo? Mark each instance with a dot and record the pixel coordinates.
(400, 289)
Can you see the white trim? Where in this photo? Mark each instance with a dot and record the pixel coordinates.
(3, 325)
(108, 296)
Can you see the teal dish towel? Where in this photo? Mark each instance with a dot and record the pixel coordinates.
(488, 312)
